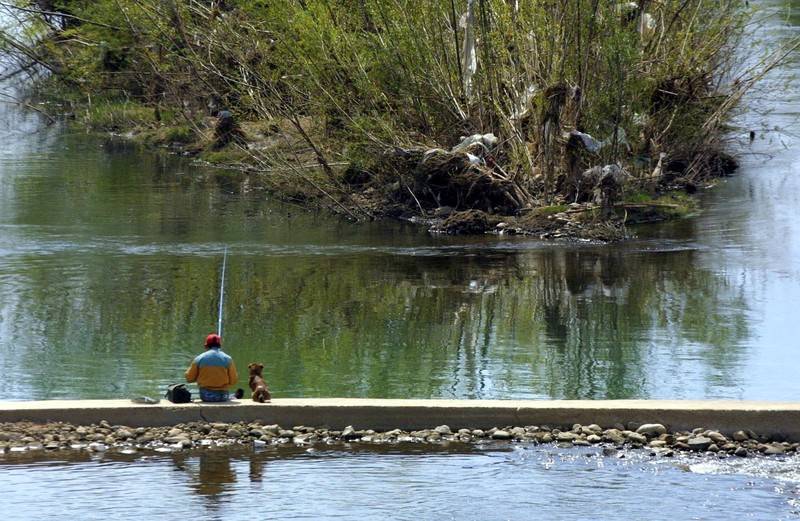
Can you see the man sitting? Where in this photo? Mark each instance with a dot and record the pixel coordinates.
(214, 371)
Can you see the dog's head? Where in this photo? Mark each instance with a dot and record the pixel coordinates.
(255, 369)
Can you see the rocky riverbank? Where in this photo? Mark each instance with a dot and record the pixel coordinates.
(29, 437)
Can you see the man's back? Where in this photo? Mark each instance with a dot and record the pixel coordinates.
(213, 369)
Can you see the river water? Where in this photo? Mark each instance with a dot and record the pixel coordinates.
(109, 275)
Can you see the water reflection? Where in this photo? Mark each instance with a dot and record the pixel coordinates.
(119, 265)
(210, 473)
(109, 266)
(593, 322)
(461, 482)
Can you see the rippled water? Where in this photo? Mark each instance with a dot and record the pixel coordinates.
(493, 482)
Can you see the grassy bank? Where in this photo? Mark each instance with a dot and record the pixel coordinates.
(597, 109)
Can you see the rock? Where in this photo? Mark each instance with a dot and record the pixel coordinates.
(713, 448)
(501, 435)
(741, 452)
(174, 432)
(4, 436)
(609, 451)
(595, 428)
(740, 436)
(123, 434)
(286, 433)
(651, 430)
(518, 433)
(274, 429)
(546, 438)
(176, 439)
(349, 433)
(716, 437)
(774, 449)
(566, 437)
(233, 433)
(443, 430)
(614, 436)
(97, 447)
(699, 443)
(657, 443)
(637, 439)
(478, 433)
(594, 438)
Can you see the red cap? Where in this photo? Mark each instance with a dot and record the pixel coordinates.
(213, 340)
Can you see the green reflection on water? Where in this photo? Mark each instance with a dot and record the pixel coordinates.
(110, 276)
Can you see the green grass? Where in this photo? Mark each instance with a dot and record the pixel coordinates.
(544, 211)
(226, 156)
(113, 115)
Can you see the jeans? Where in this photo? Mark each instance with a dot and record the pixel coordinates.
(209, 395)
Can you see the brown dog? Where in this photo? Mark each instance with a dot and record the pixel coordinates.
(257, 383)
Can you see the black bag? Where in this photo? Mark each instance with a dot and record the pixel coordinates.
(178, 393)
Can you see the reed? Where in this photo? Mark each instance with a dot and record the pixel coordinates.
(653, 83)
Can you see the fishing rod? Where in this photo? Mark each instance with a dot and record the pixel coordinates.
(222, 291)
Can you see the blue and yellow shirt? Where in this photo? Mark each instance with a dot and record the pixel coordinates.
(213, 370)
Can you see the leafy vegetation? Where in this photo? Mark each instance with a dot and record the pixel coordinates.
(564, 86)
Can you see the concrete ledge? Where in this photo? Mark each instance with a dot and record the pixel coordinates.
(767, 418)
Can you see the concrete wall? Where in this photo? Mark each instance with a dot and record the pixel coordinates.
(725, 416)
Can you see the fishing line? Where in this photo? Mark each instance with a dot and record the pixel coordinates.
(222, 291)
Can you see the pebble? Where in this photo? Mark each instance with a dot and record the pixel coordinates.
(651, 430)
(27, 437)
(740, 436)
(774, 449)
(443, 430)
(566, 436)
(636, 438)
(699, 443)
(716, 437)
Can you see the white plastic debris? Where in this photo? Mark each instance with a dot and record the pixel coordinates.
(487, 140)
(469, 55)
(475, 160)
(522, 105)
